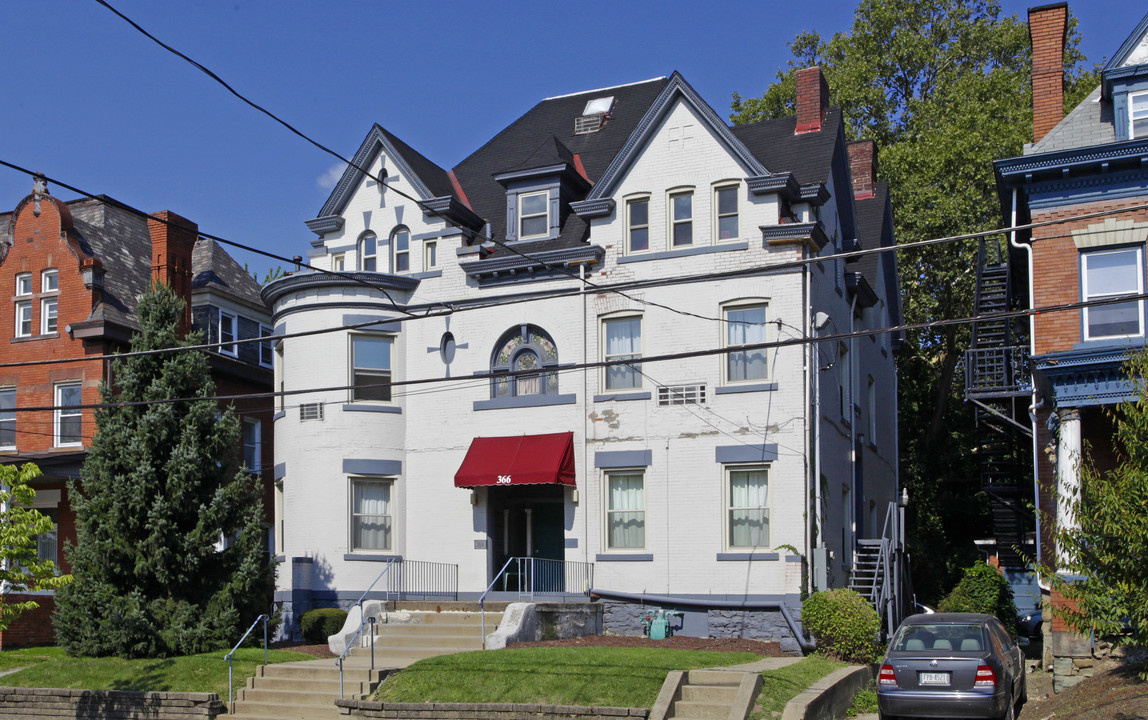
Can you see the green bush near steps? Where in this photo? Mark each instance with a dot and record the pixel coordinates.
(844, 624)
(983, 589)
(318, 625)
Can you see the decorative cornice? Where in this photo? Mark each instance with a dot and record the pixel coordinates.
(503, 178)
(1087, 377)
(782, 183)
(1022, 168)
(537, 266)
(325, 224)
(272, 292)
(675, 88)
(815, 193)
(811, 233)
(1136, 180)
(451, 208)
(587, 209)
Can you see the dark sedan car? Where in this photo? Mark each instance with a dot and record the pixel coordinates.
(951, 665)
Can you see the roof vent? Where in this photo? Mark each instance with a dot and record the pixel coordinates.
(593, 115)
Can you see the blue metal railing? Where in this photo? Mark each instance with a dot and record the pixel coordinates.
(231, 656)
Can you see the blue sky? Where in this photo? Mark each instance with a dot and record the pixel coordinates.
(92, 102)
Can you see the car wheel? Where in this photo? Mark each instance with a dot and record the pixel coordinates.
(1010, 711)
(1023, 697)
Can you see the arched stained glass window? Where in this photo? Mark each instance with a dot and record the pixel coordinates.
(524, 362)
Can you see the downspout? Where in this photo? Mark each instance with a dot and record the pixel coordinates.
(810, 480)
(1036, 404)
(806, 645)
(852, 433)
(586, 424)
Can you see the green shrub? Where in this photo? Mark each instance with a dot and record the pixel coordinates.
(844, 624)
(983, 589)
(318, 625)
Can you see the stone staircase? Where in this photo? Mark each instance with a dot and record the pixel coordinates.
(707, 695)
(308, 690)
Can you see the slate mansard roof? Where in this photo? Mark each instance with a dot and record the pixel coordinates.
(544, 137)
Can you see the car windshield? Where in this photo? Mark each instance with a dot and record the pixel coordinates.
(961, 637)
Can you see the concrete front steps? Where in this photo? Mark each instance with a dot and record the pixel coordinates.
(308, 690)
(706, 695)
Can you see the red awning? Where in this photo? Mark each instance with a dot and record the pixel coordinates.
(520, 460)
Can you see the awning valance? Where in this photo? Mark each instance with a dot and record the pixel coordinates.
(519, 460)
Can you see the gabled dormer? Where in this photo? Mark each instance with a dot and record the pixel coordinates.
(1125, 85)
(540, 190)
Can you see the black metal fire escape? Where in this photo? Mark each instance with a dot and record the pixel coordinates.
(998, 382)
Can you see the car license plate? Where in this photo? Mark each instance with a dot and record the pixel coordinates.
(933, 678)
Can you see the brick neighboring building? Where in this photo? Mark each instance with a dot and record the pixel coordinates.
(73, 273)
(1094, 159)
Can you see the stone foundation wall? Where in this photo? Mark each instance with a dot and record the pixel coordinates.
(622, 618)
(41, 703)
(483, 711)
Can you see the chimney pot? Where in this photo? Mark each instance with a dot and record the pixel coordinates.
(812, 100)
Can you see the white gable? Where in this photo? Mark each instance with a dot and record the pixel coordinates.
(1139, 55)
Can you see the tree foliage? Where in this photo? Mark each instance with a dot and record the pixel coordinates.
(943, 87)
(21, 570)
(983, 589)
(160, 489)
(1106, 553)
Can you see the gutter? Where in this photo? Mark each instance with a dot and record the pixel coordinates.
(798, 634)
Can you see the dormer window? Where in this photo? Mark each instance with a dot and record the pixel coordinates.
(533, 215)
(1138, 115)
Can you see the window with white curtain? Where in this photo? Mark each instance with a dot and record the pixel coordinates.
(47, 545)
(747, 497)
(625, 510)
(371, 519)
(745, 325)
(623, 341)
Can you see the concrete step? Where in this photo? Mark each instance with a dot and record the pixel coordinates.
(699, 711)
(297, 697)
(453, 606)
(439, 618)
(449, 643)
(286, 710)
(717, 694)
(713, 677)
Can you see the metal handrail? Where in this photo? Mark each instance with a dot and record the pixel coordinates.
(231, 655)
(351, 645)
(482, 598)
(359, 602)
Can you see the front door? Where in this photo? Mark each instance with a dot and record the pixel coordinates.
(527, 522)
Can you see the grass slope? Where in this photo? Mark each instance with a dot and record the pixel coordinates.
(50, 667)
(784, 684)
(617, 677)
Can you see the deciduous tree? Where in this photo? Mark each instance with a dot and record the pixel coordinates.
(21, 569)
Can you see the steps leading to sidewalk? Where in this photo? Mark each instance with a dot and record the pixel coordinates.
(706, 695)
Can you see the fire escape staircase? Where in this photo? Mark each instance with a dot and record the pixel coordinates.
(998, 383)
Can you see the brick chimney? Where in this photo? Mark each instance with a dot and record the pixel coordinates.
(1047, 25)
(863, 167)
(172, 241)
(812, 100)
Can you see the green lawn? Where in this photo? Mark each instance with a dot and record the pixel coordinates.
(618, 677)
(784, 684)
(50, 667)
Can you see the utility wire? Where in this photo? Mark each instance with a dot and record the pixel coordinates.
(688, 354)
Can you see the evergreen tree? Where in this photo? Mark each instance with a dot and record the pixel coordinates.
(943, 88)
(159, 491)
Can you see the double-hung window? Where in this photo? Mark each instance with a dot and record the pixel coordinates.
(339, 262)
(24, 284)
(46, 543)
(48, 316)
(745, 325)
(68, 421)
(371, 517)
(682, 218)
(370, 368)
(401, 242)
(533, 215)
(638, 225)
(265, 348)
(24, 318)
(8, 419)
(227, 334)
(49, 281)
(747, 502)
(1138, 115)
(1108, 274)
(725, 212)
(623, 341)
(625, 510)
(430, 255)
(368, 252)
(252, 445)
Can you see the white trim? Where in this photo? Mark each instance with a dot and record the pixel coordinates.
(726, 469)
(49, 273)
(606, 475)
(612, 87)
(229, 350)
(339, 263)
(602, 322)
(257, 444)
(362, 255)
(545, 195)
(1132, 115)
(20, 322)
(58, 413)
(723, 328)
(26, 278)
(45, 316)
(1086, 295)
(389, 482)
(430, 255)
(4, 390)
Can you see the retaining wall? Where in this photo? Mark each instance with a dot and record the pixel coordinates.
(483, 711)
(41, 703)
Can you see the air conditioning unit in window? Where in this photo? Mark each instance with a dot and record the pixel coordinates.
(682, 394)
(311, 411)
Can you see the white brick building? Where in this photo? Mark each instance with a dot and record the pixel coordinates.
(627, 223)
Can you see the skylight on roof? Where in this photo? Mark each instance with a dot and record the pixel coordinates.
(599, 106)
